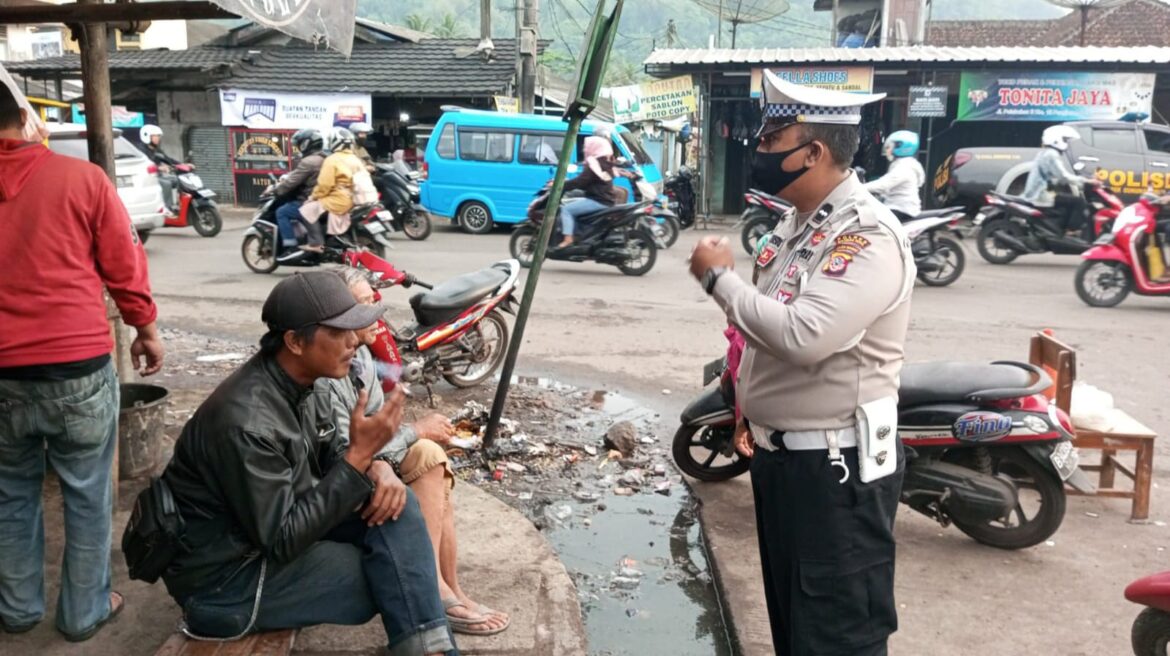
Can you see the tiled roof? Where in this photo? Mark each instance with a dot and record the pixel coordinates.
(431, 67)
(195, 59)
(1135, 23)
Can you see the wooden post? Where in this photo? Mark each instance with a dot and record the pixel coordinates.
(528, 48)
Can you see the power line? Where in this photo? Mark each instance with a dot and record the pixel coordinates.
(557, 28)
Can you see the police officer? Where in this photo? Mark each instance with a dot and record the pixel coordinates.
(818, 382)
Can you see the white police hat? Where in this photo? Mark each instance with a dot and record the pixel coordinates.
(785, 103)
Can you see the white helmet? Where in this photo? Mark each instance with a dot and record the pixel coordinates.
(358, 128)
(340, 138)
(1058, 137)
(148, 131)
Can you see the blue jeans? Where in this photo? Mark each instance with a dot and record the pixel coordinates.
(353, 574)
(286, 217)
(570, 212)
(74, 424)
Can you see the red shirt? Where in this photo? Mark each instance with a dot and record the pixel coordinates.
(64, 233)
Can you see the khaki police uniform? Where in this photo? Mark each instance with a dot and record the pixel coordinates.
(825, 327)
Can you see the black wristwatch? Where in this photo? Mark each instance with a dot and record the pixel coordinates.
(711, 277)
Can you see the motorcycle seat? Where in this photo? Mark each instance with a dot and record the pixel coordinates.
(361, 210)
(1010, 198)
(942, 211)
(448, 299)
(611, 212)
(965, 382)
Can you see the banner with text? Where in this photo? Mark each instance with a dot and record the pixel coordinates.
(854, 79)
(1053, 96)
(653, 100)
(292, 111)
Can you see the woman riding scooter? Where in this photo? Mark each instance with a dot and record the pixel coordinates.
(151, 136)
(596, 180)
(899, 188)
(1050, 173)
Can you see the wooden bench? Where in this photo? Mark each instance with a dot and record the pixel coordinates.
(1117, 431)
(268, 643)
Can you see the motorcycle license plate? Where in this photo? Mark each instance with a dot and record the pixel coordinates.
(375, 228)
(124, 181)
(384, 215)
(1065, 459)
(206, 193)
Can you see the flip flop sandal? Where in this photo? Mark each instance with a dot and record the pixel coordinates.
(92, 631)
(465, 625)
(484, 610)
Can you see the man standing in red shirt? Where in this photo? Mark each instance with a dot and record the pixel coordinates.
(66, 235)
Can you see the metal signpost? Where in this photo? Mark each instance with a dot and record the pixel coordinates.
(585, 91)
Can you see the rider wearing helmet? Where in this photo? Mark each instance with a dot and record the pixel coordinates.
(342, 174)
(1050, 173)
(596, 180)
(294, 188)
(151, 136)
(899, 187)
(361, 133)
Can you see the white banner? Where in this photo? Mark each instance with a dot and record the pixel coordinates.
(292, 111)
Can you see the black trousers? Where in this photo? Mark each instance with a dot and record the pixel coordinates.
(827, 550)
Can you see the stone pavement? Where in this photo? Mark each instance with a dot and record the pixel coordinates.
(504, 562)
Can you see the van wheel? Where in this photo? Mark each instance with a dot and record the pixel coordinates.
(475, 218)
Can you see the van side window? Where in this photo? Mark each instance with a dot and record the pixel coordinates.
(1118, 141)
(446, 146)
(486, 146)
(540, 149)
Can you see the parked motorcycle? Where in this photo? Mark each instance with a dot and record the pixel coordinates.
(680, 193)
(760, 217)
(196, 204)
(1010, 226)
(983, 447)
(668, 226)
(1150, 635)
(1130, 258)
(458, 334)
(263, 252)
(622, 235)
(939, 258)
(400, 196)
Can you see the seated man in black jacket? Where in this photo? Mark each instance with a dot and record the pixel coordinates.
(271, 494)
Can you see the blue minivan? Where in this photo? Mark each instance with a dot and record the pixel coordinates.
(483, 168)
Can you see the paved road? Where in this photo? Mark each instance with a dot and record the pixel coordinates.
(593, 326)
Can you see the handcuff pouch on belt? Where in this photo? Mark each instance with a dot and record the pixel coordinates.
(877, 437)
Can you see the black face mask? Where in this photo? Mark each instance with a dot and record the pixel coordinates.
(768, 175)
(361, 140)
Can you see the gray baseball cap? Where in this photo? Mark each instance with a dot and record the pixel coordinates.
(316, 297)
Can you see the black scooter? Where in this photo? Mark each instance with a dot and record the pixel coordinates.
(760, 216)
(680, 190)
(622, 236)
(401, 198)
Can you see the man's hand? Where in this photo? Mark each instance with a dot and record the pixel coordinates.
(743, 440)
(389, 497)
(147, 344)
(711, 252)
(434, 427)
(367, 435)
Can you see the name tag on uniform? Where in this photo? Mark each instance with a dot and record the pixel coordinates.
(769, 251)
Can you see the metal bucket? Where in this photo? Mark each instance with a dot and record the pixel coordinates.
(142, 418)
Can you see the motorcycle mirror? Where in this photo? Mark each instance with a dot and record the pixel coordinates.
(1079, 166)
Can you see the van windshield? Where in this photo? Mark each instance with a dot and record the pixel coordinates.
(640, 156)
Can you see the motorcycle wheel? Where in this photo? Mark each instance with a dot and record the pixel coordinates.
(697, 449)
(207, 222)
(1033, 482)
(259, 254)
(417, 226)
(640, 264)
(1150, 635)
(490, 339)
(1103, 283)
(949, 250)
(753, 230)
(671, 228)
(523, 246)
(989, 249)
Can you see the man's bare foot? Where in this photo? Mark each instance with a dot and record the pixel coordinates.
(484, 610)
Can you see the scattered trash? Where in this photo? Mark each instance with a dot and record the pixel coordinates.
(632, 478)
(623, 437)
(591, 450)
(666, 392)
(630, 573)
(645, 511)
(623, 492)
(524, 496)
(498, 474)
(1050, 543)
(660, 470)
(663, 488)
(467, 443)
(221, 357)
(563, 512)
(538, 449)
(631, 612)
(648, 440)
(1092, 514)
(516, 467)
(586, 497)
(624, 583)
(587, 521)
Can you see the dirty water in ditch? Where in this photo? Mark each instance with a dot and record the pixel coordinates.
(626, 529)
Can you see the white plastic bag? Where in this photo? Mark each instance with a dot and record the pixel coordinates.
(1090, 406)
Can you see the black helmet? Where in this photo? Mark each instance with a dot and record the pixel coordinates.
(308, 141)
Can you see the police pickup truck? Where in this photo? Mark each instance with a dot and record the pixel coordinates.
(1128, 157)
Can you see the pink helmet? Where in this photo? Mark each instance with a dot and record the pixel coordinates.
(598, 147)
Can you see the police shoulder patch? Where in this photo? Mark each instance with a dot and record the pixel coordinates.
(845, 249)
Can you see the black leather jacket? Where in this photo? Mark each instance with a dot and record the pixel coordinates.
(258, 470)
(300, 181)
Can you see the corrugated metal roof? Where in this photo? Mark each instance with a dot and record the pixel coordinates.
(664, 59)
(195, 59)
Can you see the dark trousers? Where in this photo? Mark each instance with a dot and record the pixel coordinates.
(350, 576)
(827, 553)
(1070, 210)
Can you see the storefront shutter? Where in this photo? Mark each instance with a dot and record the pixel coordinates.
(209, 153)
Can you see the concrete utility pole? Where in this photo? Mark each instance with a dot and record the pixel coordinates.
(528, 40)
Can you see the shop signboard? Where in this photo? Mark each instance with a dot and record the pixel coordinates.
(1053, 96)
(122, 117)
(327, 21)
(654, 100)
(852, 79)
(927, 102)
(255, 154)
(281, 110)
(507, 104)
